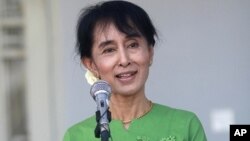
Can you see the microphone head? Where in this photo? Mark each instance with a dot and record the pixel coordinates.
(100, 85)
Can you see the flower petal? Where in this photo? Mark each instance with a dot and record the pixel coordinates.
(90, 77)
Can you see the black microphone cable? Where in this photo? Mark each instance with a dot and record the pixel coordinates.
(98, 132)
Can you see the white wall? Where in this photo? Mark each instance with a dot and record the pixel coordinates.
(201, 60)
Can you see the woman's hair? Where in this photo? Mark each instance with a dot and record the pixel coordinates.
(127, 17)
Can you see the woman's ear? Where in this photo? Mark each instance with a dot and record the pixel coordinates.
(90, 65)
(151, 55)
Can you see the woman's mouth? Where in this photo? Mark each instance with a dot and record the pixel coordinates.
(126, 76)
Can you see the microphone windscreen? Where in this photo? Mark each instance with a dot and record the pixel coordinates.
(100, 85)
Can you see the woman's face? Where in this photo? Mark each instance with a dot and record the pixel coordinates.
(121, 60)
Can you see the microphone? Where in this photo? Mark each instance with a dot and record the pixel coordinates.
(101, 91)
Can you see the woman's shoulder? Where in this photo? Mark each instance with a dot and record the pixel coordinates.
(176, 118)
(178, 122)
(88, 123)
(178, 114)
(82, 130)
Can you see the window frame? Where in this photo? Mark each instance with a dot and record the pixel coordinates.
(43, 58)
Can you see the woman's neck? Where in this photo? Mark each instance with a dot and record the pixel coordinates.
(129, 108)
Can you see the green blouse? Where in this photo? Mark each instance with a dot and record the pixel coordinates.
(162, 123)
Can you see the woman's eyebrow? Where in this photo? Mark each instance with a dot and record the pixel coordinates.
(128, 36)
(105, 43)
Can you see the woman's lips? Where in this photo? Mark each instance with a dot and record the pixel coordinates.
(126, 76)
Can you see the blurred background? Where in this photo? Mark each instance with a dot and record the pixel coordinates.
(201, 64)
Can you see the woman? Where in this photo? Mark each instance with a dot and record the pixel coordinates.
(116, 43)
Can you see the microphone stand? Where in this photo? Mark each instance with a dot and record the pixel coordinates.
(102, 129)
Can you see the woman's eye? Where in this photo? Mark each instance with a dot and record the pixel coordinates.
(134, 45)
(108, 50)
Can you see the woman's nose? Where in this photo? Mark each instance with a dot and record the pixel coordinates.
(124, 58)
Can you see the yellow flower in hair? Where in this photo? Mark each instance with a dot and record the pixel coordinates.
(90, 77)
